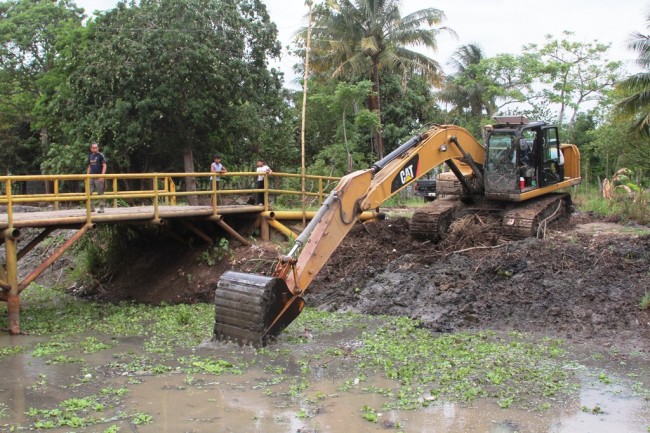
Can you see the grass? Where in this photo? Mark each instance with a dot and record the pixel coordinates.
(644, 304)
(635, 209)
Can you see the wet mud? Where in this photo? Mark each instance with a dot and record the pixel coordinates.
(582, 282)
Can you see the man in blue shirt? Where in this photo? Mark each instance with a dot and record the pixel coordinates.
(96, 165)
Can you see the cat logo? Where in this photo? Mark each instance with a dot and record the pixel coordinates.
(406, 175)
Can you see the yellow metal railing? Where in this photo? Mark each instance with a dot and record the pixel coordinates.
(163, 190)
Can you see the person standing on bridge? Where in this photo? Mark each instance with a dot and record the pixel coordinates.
(217, 167)
(261, 168)
(96, 165)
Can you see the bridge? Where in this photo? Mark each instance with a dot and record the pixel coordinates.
(41, 204)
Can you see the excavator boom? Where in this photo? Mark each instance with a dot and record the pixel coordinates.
(251, 308)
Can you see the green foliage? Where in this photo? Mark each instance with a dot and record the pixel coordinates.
(142, 418)
(216, 253)
(81, 412)
(409, 106)
(171, 106)
(31, 36)
(625, 208)
(101, 252)
(203, 365)
(470, 88)
(463, 366)
(634, 96)
(186, 325)
(644, 304)
(373, 36)
(573, 73)
(339, 129)
(613, 146)
(369, 414)
(338, 105)
(11, 350)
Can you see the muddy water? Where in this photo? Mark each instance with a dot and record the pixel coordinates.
(233, 406)
(245, 403)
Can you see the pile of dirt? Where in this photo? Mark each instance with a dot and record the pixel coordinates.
(574, 284)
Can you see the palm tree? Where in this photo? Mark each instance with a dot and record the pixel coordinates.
(636, 103)
(361, 37)
(466, 88)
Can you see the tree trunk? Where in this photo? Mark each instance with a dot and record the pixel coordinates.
(45, 144)
(188, 166)
(375, 106)
(347, 147)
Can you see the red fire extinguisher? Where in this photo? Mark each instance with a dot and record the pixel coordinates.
(521, 183)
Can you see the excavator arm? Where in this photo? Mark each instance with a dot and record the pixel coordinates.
(251, 308)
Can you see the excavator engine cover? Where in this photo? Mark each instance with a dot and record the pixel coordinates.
(247, 306)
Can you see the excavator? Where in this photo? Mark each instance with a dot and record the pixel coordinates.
(517, 174)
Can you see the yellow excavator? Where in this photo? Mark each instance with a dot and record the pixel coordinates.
(516, 174)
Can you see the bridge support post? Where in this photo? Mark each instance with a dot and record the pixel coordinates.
(12, 297)
(265, 232)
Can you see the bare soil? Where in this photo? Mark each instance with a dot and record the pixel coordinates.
(583, 282)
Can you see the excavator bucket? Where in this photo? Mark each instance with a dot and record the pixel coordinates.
(250, 308)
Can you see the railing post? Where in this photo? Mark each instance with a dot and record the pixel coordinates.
(213, 181)
(167, 190)
(155, 198)
(266, 191)
(56, 193)
(88, 205)
(172, 190)
(320, 191)
(10, 211)
(115, 191)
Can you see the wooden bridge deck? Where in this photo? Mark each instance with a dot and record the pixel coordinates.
(68, 217)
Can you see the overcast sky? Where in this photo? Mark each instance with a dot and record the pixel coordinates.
(497, 26)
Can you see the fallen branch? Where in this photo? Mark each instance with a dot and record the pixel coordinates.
(486, 247)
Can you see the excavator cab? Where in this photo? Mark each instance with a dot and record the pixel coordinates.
(522, 156)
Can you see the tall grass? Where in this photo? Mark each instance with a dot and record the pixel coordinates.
(625, 207)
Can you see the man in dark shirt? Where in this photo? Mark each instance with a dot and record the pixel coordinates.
(96, 165)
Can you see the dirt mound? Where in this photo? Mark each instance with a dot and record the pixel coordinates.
(572, 284)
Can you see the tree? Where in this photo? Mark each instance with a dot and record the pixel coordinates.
(409, 106)
(574, 73)
(365, 37)
(467, 89)
(343, 104)
(31, 35)
(160, 82)
(635, 103)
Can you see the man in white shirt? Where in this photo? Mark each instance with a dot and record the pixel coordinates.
(261, 168)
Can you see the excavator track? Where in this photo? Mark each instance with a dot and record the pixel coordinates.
(530, 218)
(245, 306)
(518, 220)
(432, 221)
